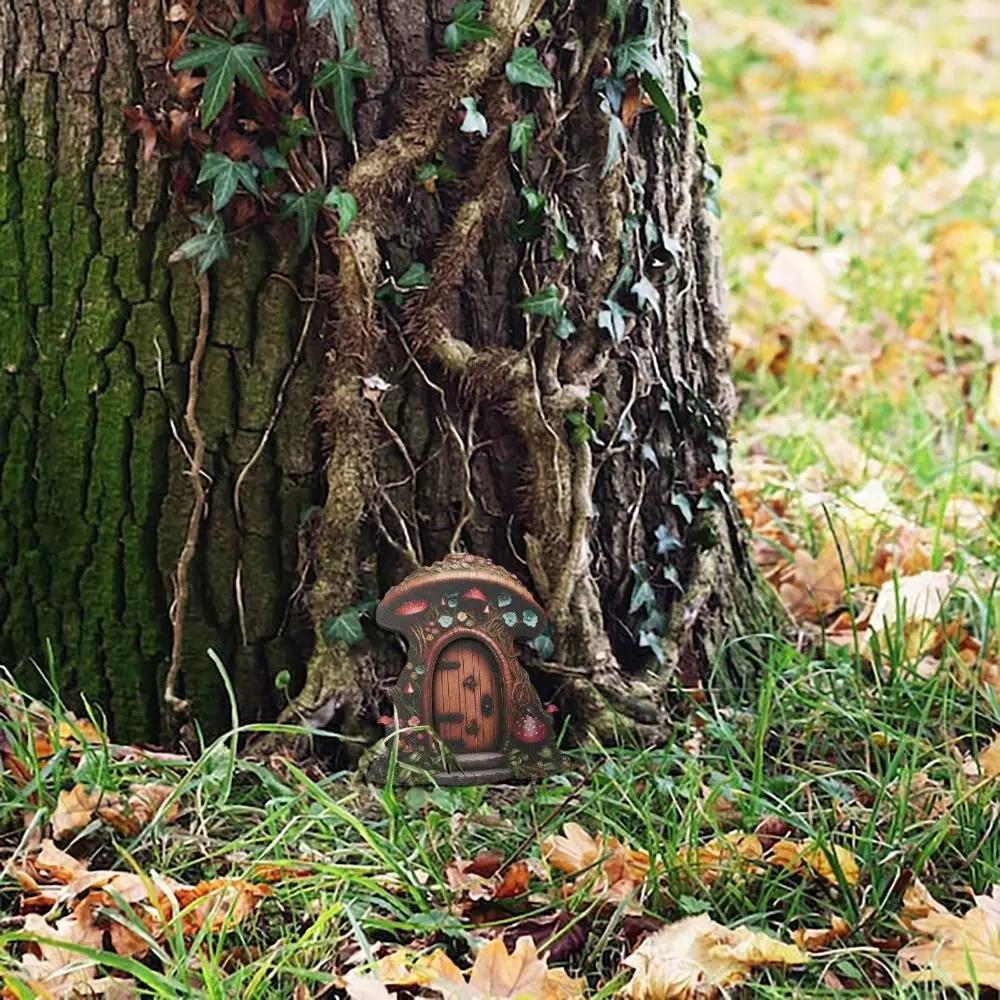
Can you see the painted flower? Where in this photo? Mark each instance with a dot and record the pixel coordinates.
(385, 720)
(503, 599)
(409, 688)
(445, 621)
(529, 618)
(510, 618)
(413, 721)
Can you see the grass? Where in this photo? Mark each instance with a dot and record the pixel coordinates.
(849, 142)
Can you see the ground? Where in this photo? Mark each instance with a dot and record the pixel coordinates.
(859, 148)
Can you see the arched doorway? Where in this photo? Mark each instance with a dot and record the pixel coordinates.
(467, 698)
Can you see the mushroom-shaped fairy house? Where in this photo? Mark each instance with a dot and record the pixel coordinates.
(462, 686)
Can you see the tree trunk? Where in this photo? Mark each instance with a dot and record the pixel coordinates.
(455, 409)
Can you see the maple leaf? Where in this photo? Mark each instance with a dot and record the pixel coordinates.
(809, 857)
(496, 974)
(956, 951)
(225, 62)
(74, 810)
(698, 957)
(722, 855)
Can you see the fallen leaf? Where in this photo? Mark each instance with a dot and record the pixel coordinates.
(74, 810)
(918, 601)
(56, 971)
(993, 396)
(815, 586)
(957, 951)
(802, 277)
(136, 813)
(698, 958)
(726, 855)
(796, 857)
(987, 764)
(819, 938)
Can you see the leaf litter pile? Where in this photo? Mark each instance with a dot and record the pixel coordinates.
(836, 829)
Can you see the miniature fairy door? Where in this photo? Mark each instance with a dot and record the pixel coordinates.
(467, 699)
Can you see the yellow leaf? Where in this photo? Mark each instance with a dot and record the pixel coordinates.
(697, 958)
(722, 854)
(801, 277)
(918, 600)
(74, 810)
(573, 851)
(987, 765)
(820, 938)
(957, 951)
(808, 857)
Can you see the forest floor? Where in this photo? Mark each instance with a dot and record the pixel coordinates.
(852, 812)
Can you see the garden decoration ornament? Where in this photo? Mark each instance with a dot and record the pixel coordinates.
(466, 711)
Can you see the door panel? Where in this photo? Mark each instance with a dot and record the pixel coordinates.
(467, 697)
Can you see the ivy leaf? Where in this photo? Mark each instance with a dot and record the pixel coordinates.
(274, 159)
(565, 240)
(340, 74)
(659, 98)
(224, 63)
(666, 542)
(466, 26)
(598, 407)
(670, 573)
(474, 120)
(346, 207)
(345, 628)
(580, 430)
(225, 175)
(565, 328)
(543, 645)
(303, 208)
(683, 504)
(525, 67)
(649, 454)
(617, 139)
(649, 298)
(654, 643)
(643, 595)
(544, 303)
(521, 133)
(415, 276)
(206, 247)
(636, 55)
(613, 319)
(615, 10)
(340, 12)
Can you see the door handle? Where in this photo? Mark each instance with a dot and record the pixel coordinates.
(486, 705)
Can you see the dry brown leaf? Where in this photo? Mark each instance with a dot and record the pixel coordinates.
(918, 903)
(74, 810)
(815, 586)
(802, 277)
(496, 974)
(698, 958)
(822, 937)
(987, 764)
(465, 878)
(57, 971)
(133, 816)
(795, 857)
(620, 872)
(726, 855)
(918, 601)
(73, 732)
(957, 951)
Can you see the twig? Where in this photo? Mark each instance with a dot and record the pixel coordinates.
(179, 706)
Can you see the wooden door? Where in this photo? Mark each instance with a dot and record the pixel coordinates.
(467, 697)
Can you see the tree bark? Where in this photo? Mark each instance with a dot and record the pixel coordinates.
(451, 419)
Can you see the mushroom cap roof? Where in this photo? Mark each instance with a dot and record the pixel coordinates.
(461, 569)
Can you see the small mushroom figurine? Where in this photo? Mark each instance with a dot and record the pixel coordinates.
(462, 681)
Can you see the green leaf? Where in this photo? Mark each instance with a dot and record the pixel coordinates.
(543, 303)
(340, 12)
(649, 454)
(274, 158)
(521, 133)
(340, 74)
(565, 328)
(613, 319)
(615, 10)
(282, 679)
(649, 298)
(643, 595)
(474, 120)
(225, 174)
(345, 628)
(637, 55)
(524, 67)
(415, 276)
(543, 645)
(303, 208)
(598, 407)
(565, 240)
(225, 63)
(466, 26)
(206, 247)
(666, 542)
(345, 205)
(683, 504)
(659, 98)
(617, 140)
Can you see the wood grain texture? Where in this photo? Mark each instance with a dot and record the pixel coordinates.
(461, 692)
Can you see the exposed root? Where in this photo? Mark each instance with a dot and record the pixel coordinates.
(176, 705)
